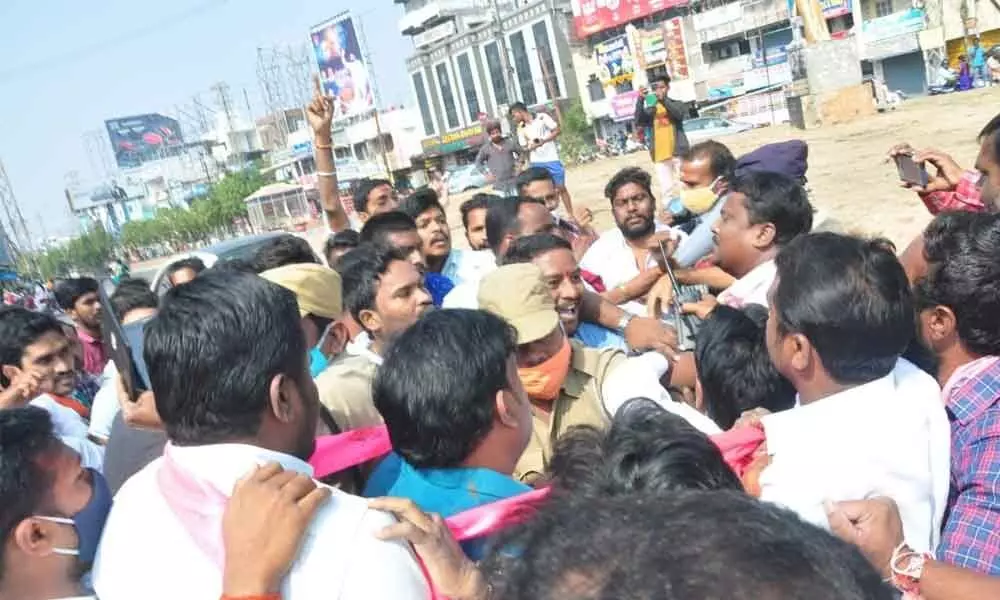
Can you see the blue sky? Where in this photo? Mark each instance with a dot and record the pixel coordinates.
(68, 65)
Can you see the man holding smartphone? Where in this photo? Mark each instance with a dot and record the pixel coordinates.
(664, 117)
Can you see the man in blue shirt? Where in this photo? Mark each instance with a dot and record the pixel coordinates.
(457, 414)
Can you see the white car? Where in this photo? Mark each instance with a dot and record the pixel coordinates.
(243, 248)
(706, 128)
(465, 178)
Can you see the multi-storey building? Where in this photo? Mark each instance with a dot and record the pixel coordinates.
(474, 58)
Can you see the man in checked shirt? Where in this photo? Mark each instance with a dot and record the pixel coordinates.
(957, 302)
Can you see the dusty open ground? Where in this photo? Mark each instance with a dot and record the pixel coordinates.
(848, 173)
(847, 170)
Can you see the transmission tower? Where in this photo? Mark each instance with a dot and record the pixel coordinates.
(12, 224)
(270, 76)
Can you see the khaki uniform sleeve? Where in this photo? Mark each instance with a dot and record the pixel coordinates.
(345, 389)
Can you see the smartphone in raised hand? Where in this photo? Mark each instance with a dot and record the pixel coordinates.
(910, 171)
(123, 343)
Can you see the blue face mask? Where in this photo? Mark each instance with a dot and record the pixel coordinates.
(89, 522)
(317, 362)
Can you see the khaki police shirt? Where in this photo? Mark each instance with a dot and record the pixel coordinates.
(580, 403)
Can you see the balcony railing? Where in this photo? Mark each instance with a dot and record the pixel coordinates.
(731, 20)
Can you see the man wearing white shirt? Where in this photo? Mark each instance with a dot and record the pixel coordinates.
(537, 134)
(625, 257)
(868, 423)
(762, 213)
(228, 364)
(132, 301)
(39, 368)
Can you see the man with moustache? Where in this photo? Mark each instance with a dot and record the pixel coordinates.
(625, 257)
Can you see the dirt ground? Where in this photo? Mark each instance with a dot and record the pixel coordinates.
(850, 177)
(848, 173)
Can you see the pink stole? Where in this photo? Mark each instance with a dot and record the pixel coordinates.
(199, 505)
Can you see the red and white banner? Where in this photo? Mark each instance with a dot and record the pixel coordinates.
(592, 16)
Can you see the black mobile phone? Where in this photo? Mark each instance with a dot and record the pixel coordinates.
(123, 344)
(910, 171)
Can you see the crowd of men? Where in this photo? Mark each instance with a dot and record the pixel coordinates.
(721, 402)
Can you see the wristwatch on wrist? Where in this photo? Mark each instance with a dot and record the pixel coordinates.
(906, 567)
(624, 321)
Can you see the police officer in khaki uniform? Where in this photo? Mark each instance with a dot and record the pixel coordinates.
(563, 379)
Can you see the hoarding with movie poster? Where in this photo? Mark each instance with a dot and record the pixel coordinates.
(342, 69)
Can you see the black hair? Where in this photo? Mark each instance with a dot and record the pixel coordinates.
(378, 228)
(213, 350)
(365, 187)
(850, 298)
(131, 294)
(437, 388)
(625, 176)
(19, 328)
(962, 250)
(476, 202)
(361, 271)
(646, 450)
(501, 219)
(992, 129)
(662, 77)
(419, 202)
(526, 249)
(733, 367)
(26, 436)
(720, 159)
(233, 265)
(679, 546)
(777, 199)
(192, 262)
(531, 175)
(68, 291)
(282, 251)
(516, 107)
(342, 239)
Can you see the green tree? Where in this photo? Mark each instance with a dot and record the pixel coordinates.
(576, 134)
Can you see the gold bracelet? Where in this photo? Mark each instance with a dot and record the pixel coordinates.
(323, 146)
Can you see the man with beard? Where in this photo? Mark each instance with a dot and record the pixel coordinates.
(957, 301)
(625, 257)
(228, 364)
(500, 156)
(474, 220)
(78, 298)
(385, 294)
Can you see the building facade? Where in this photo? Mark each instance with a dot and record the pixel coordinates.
(475, 58)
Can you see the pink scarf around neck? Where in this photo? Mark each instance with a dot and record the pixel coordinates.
(199, 505)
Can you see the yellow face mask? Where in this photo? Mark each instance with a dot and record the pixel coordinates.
(699, 200)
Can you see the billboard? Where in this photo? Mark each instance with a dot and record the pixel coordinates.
(141, 138)
(592, 16)
(342, 71)
(614, 60)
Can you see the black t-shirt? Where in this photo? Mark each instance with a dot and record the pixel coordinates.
(128, 451)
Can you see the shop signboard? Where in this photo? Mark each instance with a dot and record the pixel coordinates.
(614, 61)
(834, 8)
(652, 48)
(454, 141)
(898, 23)
(673, 33)
(593, 16)
(623, 105)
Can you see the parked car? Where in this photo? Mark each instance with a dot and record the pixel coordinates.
(704, 128)
(242, 248)
(465, 178)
